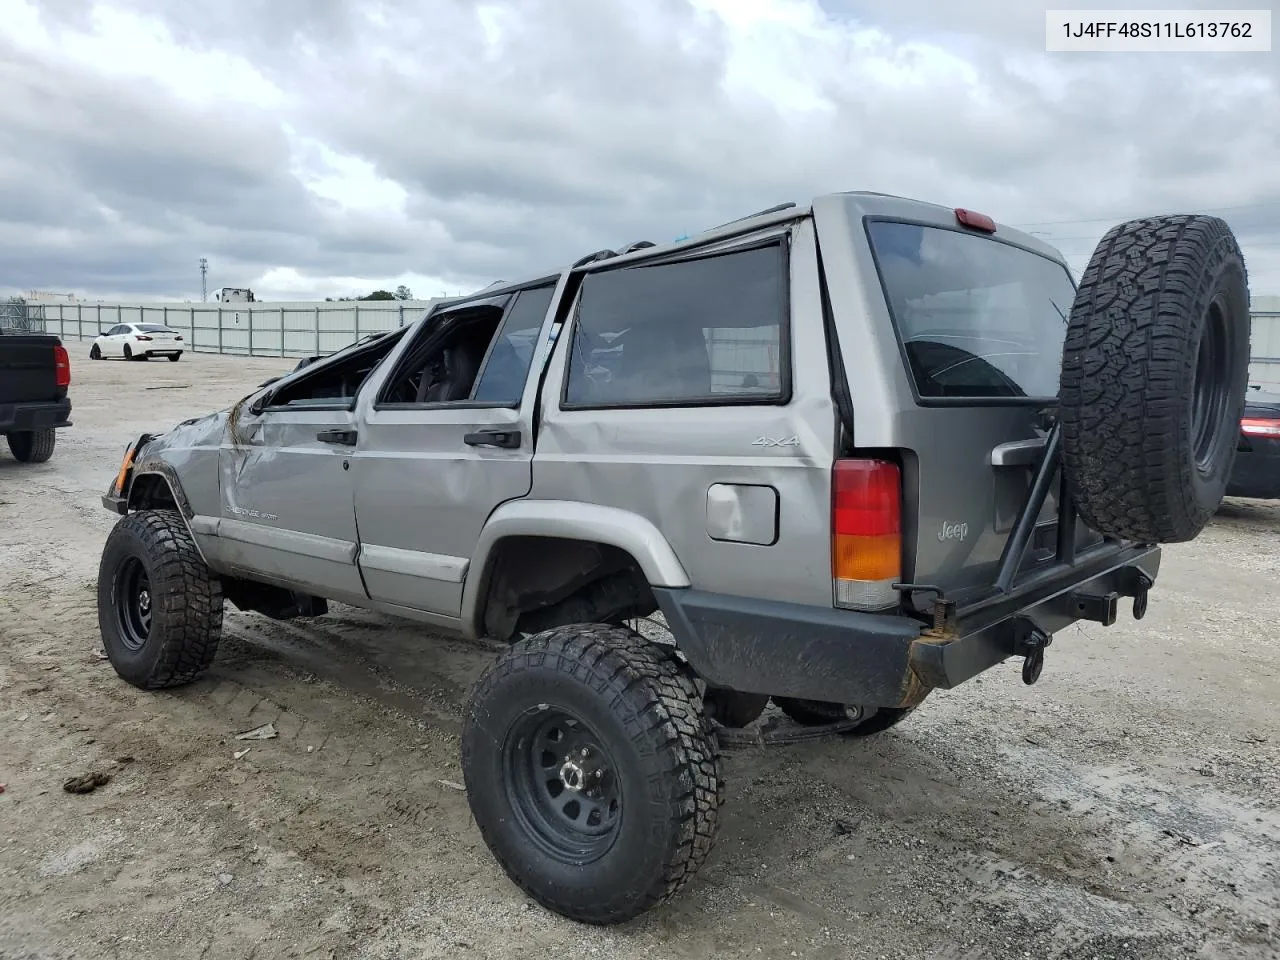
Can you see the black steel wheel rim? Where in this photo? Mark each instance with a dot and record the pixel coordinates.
(133, 603)
(1211, 395)
(562, 785)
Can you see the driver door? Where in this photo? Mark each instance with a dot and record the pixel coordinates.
(288, 505)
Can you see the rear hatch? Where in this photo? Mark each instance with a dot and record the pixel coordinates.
(28, 370)
(951, 335)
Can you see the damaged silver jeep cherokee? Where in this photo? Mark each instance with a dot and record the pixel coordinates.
(852, 452)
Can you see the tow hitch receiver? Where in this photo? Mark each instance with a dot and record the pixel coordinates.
(1099, 607)
(1030, 643)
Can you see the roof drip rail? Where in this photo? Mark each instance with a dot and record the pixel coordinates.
(595, 258)
(638, 245)
(751, 216)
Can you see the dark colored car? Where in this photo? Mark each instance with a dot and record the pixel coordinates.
(1257, 469)
(35, 373)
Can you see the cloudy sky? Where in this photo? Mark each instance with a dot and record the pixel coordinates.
(311, 148)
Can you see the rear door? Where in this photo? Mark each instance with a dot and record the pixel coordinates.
(444, 442)
(952, 342)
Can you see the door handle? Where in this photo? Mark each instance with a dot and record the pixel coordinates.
(345, 437)
(506, 439)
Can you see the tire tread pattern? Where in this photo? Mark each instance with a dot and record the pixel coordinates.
(656, 695)
(1129, 364)
(186, 598)
(33, 446)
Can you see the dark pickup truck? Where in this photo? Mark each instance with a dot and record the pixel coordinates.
(35, 373)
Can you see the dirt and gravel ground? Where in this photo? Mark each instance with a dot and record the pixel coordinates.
(1127, 806)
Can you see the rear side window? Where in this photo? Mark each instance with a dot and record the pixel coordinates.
(707, 331)
(977, 318)
(507, 366)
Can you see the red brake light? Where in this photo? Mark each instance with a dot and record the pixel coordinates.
(866, 532)
(975, 221)
(141, 337)
(61, 366)
(1258, 427)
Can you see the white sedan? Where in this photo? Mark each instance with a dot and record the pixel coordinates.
(137, 341)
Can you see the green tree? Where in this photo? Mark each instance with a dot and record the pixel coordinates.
(403, 293)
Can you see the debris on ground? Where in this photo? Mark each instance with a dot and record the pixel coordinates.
(1, 788)
(239, 754)
(87, 783)
(265, 732)
(452, 785)
(225, 879)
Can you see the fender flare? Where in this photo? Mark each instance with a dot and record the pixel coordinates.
(158, 468)
(568, 520)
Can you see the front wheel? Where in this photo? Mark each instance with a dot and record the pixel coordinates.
(32, 446)
(159, 607)
(591, 772)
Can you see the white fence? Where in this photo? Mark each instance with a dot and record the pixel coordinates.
(1264, 368)
(292, 329)
(307, 328)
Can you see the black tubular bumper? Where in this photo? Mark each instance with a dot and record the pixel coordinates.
(21, 417)
(887, 660)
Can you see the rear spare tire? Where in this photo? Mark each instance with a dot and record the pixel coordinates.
(1154, 371)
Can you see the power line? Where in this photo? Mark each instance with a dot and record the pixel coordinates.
(1131, 216)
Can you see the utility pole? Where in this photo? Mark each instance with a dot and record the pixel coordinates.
(204, 270)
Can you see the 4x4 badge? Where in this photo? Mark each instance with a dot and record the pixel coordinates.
(776, 442)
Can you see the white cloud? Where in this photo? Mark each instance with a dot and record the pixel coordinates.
(334, 146)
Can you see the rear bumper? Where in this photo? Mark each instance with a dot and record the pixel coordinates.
(21, 417)
(819, 653)
(1257, 470)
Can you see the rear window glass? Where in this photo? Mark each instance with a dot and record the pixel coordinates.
(977, 318)
(703, 331)
(153, 328)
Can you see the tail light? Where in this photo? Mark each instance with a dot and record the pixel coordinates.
(177, 336)
(866, 533)
(141, 337)
(1259, 427)
(61, 366)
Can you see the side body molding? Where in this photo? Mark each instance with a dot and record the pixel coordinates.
(572, 521)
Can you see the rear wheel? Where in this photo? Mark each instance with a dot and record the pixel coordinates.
(128, 352)
(1154, 373)
(95, 353)
(159, 607)
(32, 446)
(591, 772)
(819, 713)
(175, 357)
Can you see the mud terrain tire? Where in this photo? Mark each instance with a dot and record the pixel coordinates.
(605, 849)
(1154, 371)
(32, 446)
(159, 607)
